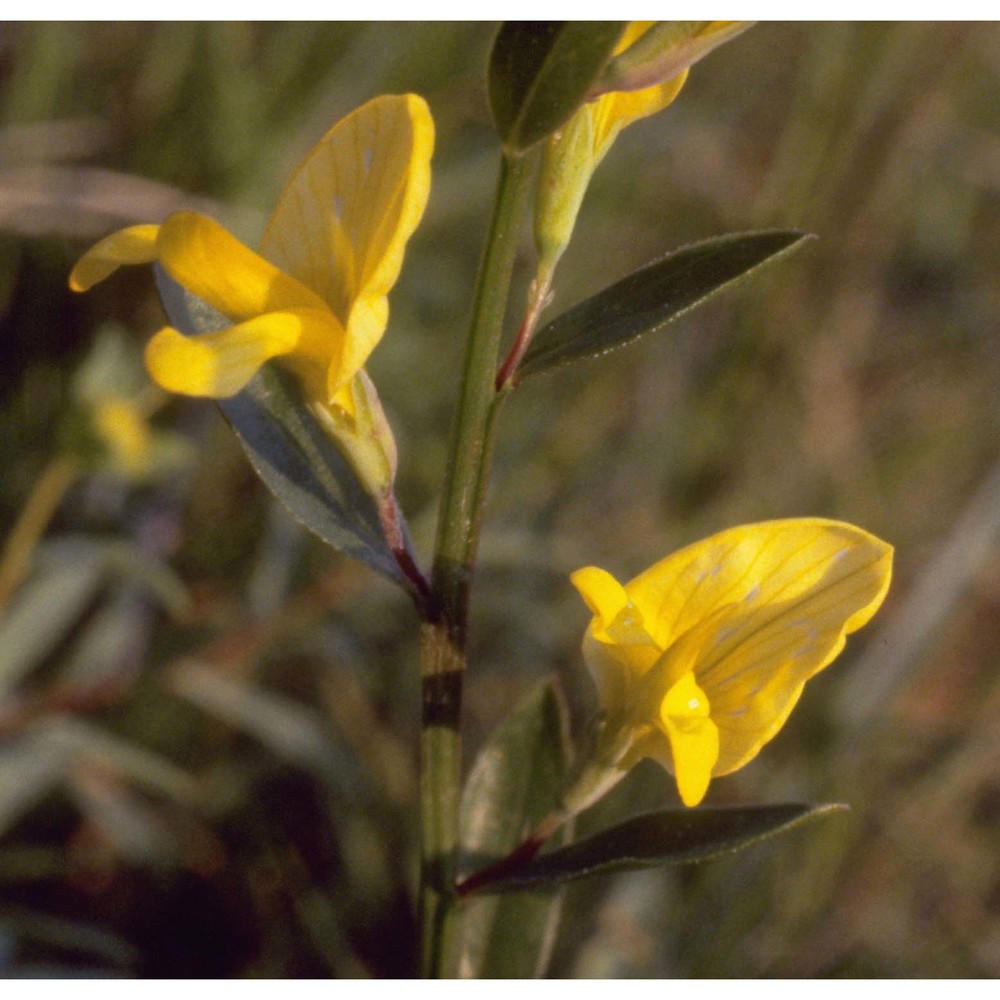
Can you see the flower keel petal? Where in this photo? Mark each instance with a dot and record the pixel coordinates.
(218, 365)
(694, 738)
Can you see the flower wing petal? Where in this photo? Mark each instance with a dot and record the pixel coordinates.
(134, 245)
(611, 665)
(342, 222)
(616, 641)
(602, 593)
(213, 264)
(220, 364)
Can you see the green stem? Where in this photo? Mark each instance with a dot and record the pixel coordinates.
(444, 635)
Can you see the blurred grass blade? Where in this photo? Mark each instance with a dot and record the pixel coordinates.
(290, 451)
(72, 936)
(653, 296)
(515, 781)
(29, 767)
(112, 644)
(120, 560)
(671, 837)
(295, 732)
(81, 742)
(132, 826)
(147, 571)
(45, 609)
(540, 73)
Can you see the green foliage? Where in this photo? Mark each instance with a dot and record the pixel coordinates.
(514, 783)
(650, 298)
(858, 380)
(290, 451)
(671, 837)
(540, 73)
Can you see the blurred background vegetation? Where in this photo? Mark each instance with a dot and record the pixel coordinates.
(208, 721)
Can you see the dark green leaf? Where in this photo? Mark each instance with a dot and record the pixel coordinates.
(671, 837)
(515, 782)
(289, 450)
(540, 72)
(653, 296)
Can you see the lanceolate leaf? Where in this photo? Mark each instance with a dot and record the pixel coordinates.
(653, 296)
(289, 449)
(540, 72)
(514, 783)
(671, 837)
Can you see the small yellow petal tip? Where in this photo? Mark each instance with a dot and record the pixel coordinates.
(134, 245)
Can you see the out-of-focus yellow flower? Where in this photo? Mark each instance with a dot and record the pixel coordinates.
(316, 296)
(124, 430)
(109, 430)
(700, 659)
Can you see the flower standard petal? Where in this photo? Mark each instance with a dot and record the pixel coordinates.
(757, 564)
(342, 222)
(134, 245)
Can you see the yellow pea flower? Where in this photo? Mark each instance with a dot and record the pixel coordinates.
(700, 659)
(316, 295)
(657, 53)
(124, 430)
(574, 153)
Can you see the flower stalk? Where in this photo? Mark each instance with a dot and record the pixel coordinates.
(444, 637)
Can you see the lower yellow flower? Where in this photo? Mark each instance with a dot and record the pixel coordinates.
(316, 296)
(700, 659)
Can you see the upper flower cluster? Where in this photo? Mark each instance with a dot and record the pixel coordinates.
(700, 659)
(574, 153)
(652, 60)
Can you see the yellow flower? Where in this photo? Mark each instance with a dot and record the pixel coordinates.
(647, 71)
(124, 430)
(700, 659)
(574, 153)
(316, 296)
